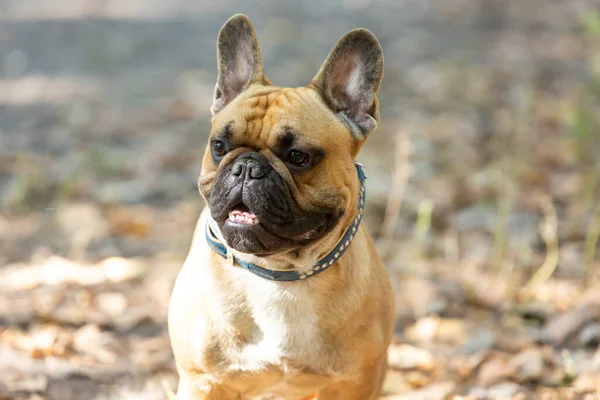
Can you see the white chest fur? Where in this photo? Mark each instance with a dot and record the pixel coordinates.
(287, 325)
(286, 338)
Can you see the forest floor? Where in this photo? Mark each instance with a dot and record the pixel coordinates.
(483, 187)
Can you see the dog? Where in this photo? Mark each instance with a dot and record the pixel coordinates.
(282, 293)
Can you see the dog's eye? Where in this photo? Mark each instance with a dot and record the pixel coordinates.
(218, 148)
(298, 158)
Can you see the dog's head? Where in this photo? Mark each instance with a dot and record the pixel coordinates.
(278, 172)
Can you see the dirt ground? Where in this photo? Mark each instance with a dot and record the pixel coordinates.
(483, 186)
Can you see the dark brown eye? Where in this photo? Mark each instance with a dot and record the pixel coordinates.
(218, 148)
(298, 158)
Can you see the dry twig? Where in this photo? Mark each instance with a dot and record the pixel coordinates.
(591, 241)
(548, 230)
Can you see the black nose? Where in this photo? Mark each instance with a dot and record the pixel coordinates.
(251, 165)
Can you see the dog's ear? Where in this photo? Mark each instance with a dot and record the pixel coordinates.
(239, 61)
(349, 80)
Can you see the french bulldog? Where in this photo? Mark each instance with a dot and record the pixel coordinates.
(282, 294)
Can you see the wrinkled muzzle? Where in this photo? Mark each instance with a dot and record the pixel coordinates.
(256, 210)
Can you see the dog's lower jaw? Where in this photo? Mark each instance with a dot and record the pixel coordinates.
(298, 258)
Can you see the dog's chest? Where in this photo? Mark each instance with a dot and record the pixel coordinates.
(286, 351)
(286, 327)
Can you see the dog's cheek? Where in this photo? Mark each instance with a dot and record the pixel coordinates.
(205, 183)
(323, 199)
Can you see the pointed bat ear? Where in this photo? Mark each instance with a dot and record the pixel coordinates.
(349, 79)
(239, 61)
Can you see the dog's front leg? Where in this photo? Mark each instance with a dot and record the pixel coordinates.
(188, 390)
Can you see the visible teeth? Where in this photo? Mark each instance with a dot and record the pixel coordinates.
(243, 218)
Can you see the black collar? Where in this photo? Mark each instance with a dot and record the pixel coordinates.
(218, 247)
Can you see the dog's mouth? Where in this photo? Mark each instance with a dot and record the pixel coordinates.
(241, 214)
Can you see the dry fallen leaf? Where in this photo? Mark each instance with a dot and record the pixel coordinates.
(497, 368)
(405, 357)
(26, 383)
(503, 390)
(395, 382)
(118, 269)
(435, 391)
(104, 347)
(588, 382)
(417, 379)
(528, 366)
(112, 304)
(466, 367)
(562, 327)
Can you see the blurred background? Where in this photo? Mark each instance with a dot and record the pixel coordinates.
(483, 186)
